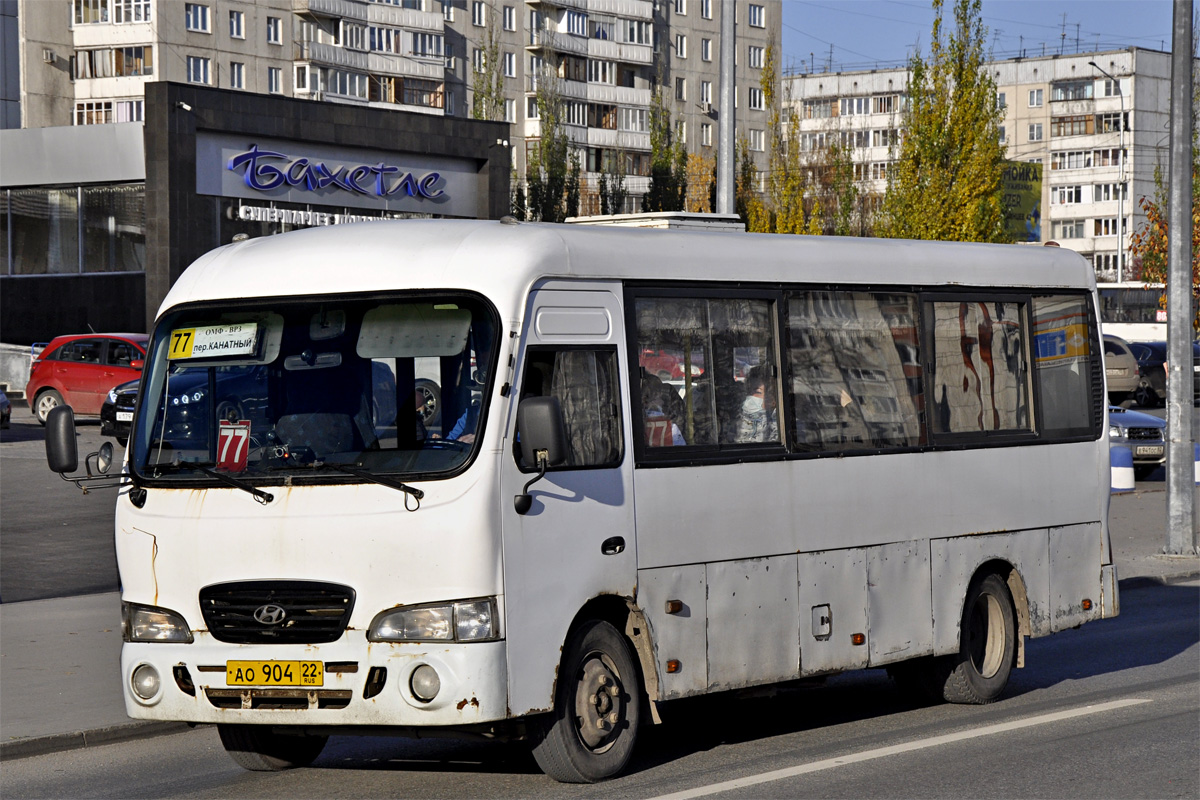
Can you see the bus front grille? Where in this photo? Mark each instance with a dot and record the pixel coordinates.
(276, 612)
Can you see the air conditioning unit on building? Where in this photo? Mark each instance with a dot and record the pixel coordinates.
(48, 55)
(706, 108)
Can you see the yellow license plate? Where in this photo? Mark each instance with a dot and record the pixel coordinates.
(274, 673)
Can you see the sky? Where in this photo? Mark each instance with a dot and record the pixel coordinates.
(865, 34)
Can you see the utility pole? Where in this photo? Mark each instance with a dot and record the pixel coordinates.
(725, 119)
(1181, 492)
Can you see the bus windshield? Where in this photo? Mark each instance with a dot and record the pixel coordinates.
(291, 388)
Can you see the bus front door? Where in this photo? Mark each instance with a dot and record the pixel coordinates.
(576, 543)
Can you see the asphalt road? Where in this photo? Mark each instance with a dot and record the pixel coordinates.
(1109, 710)
(56, 541)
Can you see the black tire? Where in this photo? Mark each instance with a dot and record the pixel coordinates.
(259, 749)
(1145, 396)
(431, 411)
(1143, 471)
(591, 733)
(987, 645)
(44, 403)
(228, 411)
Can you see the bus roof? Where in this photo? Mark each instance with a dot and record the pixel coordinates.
(502, 259)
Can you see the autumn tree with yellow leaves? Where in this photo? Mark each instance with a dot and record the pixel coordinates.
(946, 182)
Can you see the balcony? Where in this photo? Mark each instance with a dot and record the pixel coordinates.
(618, 51)
(631, 9)
(346, 9)
(624, 140)
(556, 41)
(618, 95)
(580, 4)
(330, 55)
(386, 64)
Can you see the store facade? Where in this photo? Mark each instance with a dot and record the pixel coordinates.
(97, 222)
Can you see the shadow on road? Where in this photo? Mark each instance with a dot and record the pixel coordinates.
(1156, 624)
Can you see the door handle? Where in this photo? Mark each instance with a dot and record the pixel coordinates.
(613, 545)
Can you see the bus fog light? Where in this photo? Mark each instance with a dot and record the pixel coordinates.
(425, 683)
(145, 682)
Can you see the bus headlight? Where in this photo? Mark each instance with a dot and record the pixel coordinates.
(149, 624)
(465, 621)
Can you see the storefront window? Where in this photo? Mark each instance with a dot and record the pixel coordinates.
(45, 226)
(42, 227)
(114, 229)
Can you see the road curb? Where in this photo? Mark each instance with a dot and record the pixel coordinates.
(60, 742)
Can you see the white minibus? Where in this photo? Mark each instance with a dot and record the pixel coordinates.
(667, 464)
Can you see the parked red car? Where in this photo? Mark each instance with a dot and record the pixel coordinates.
(78, 371)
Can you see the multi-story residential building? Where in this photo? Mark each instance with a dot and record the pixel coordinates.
(691, 78)
(1096, 122)
(89, 64)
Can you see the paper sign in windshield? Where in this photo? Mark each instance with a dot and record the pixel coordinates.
(233, 445)
(209, 341)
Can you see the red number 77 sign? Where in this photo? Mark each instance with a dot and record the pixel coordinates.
(233, 445)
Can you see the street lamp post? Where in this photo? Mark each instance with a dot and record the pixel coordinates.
(1121, 174)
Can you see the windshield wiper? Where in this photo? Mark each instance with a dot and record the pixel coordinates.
(370, 476)
(259, 494)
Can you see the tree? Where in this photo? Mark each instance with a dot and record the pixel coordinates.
(487, 99)
(552, 169)
(1148, 245)
(612, 183)
(946, 183)
(668, 161)
(701, 183)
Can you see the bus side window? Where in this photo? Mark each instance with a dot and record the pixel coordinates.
(1066, 368)
(980, 378)
(855, 370)
(585, 383)
(708, 371)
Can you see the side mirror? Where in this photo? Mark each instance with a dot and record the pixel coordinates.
(104, 458)
(62, 453)
(543, 441)
(541, 427)
(137, 363)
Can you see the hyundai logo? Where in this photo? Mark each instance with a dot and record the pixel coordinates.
(270, 614)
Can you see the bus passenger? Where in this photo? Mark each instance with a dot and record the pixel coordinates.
(757, 422)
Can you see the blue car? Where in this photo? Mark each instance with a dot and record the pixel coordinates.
(1143, 434)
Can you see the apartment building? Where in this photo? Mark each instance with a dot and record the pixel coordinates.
(1096, 122)
(86, 62)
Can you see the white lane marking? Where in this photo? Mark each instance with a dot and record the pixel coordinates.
(907, 747)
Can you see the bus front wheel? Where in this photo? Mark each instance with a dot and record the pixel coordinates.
(598, 704)
(259, 749)
(988, 640)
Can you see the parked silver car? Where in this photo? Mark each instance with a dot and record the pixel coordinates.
(1120, 369)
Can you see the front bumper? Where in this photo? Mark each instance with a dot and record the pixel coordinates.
(194, 689)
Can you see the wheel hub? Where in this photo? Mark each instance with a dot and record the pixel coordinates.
(599, 706)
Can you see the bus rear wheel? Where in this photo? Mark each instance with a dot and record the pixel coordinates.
(979, 672)
(259, 749)
(598, 705)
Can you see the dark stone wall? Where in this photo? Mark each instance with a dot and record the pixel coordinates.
(37, 308)
(182, 225)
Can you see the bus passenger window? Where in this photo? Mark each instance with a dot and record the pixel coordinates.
(585, 383)
(855, 370)
(708, 372)
(980, 374)
(1064, 366)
